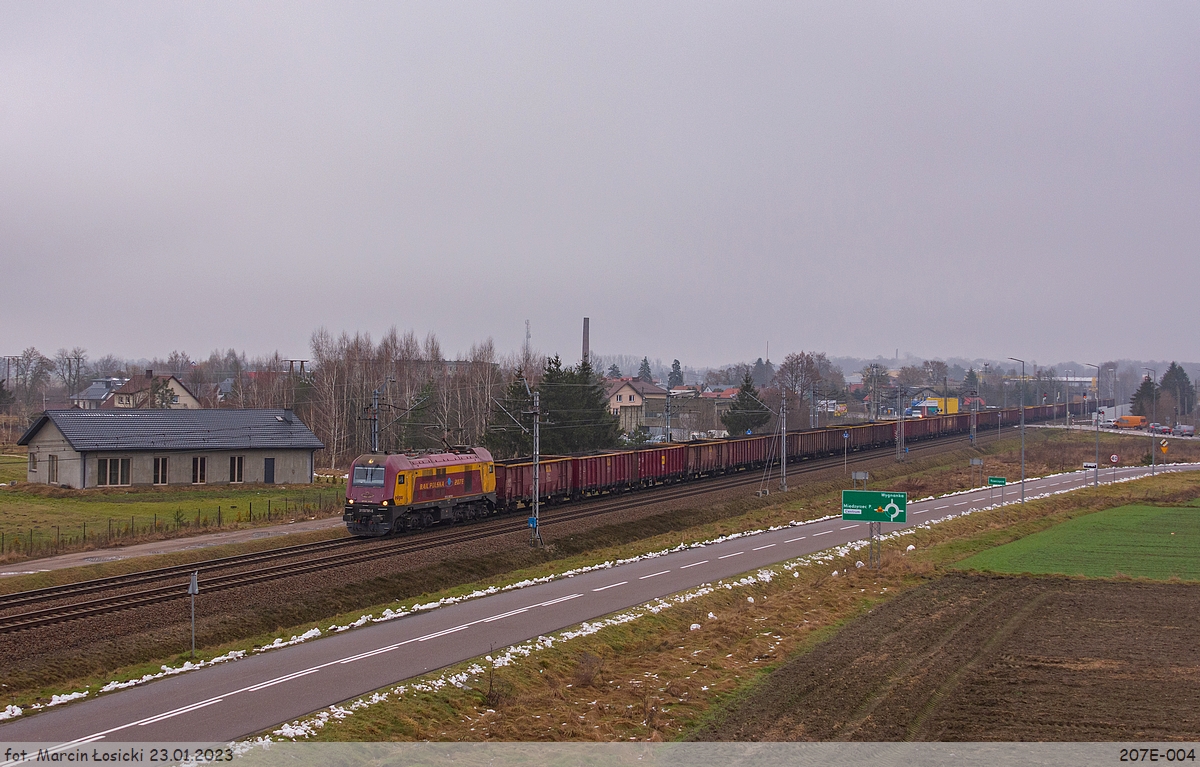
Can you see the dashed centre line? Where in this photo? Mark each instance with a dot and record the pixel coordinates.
(735, 554)
(938, 508)
(760, 548)
(652, 575)
(827, 532)
(701, 562)
(611, 586)
(793, 540)
(849, 527)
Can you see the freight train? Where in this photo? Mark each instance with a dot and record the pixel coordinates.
(388, 494)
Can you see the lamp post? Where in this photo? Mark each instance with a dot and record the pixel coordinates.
(1096, 482)
(1153, 412)
(1070, 375)
(1014, 359)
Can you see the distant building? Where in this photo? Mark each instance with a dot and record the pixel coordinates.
(162, 392)
(632, 400)
(122, 447)
(97, 393)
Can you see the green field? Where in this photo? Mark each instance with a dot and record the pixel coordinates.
(12, 468)
(57, 523)
(1141, 541)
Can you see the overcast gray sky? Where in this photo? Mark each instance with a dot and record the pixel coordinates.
(976, 179)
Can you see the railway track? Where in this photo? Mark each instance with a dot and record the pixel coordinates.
(324, 555)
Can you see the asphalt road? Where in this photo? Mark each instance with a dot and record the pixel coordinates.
(236, 699)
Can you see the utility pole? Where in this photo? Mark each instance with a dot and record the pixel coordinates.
(667, 412)
(783, 444)
(900, 430)
(1014, 359)
(1096, 483)
(1153, 412)
(535, 535)
(375, 421)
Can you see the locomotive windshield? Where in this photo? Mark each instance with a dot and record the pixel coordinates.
(368, 476)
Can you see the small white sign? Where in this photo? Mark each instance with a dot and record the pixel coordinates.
(1089, 466)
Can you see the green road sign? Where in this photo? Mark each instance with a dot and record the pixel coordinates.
(997, 481)
(874, 506)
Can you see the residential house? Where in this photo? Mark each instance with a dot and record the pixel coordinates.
(97, 393)
(127, 446)
(633, 400)
(152, 392)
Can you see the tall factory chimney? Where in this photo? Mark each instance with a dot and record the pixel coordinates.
(586, 350)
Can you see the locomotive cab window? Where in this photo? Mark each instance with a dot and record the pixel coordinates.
(368, 476)
(399, 479)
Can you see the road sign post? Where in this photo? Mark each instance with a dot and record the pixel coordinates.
(193, 590)
(994, 482)
(845, 451)
(874, 507)
(860, 476)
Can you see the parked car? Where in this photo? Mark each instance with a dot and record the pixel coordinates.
(1183, 430)
(1108, 423)
(1159, 428)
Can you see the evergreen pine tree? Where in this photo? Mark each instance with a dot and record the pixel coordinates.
(746, 413)
(574, 410)
(675, 378)
(1177, 382)
(614, 371)
(1143, 398)
(505, 438)
(644, 371)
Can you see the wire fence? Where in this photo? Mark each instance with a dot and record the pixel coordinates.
(41, 541)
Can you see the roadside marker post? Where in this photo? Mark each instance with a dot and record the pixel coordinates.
(976, 462)
(193, 590)
(993, 483)
(874, 507)
(1115, 459)
(860, 476)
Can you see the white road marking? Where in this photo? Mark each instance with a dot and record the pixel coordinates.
(850, 527)
(445, 632)
(505, 615)
(923, 511)
(827, 532)
(652, 575)
(611, 586)
(793, 540)
(937, 508)
(178, 711)
(760, 548)
(962, 503)
(727, 556)
(701, 562)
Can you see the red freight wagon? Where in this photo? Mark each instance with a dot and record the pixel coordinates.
(514, 481)
(661, 464)
(746, 452)
(704, 458)
(593, 474)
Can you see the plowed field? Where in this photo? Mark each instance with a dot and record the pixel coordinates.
(977, 658)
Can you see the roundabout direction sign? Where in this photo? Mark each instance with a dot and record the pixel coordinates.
(874, 506)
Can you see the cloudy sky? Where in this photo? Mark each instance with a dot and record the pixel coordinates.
(700, 179)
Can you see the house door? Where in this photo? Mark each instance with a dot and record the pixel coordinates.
(269, 471)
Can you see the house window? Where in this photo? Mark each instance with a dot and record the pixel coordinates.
(52, 469)
(236, 464)
(199, 470)
(112, 471)
(632, 399)
(33, 463)
(618, 398)
(160, 470)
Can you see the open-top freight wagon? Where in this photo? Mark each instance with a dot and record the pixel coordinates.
(388, 494)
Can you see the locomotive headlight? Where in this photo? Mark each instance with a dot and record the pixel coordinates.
(385, 503)
(350, 501)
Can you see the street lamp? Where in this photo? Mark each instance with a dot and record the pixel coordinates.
(1153, 412)
(1070, 375)
(1014, 359)
(1096, 482)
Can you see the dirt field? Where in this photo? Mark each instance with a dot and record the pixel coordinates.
(974, 658)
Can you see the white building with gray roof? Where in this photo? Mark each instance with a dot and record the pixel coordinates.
(114, 448)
